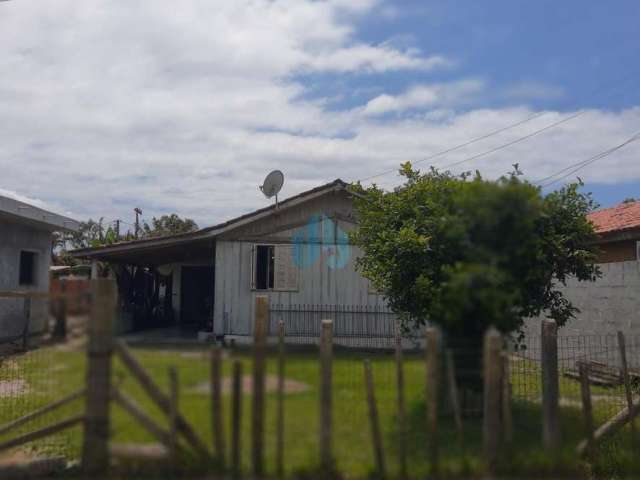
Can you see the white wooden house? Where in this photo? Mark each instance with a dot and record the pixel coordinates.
(297, 253)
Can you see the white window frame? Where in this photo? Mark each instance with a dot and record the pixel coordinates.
(254, 270)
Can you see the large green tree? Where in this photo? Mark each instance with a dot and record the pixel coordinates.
(466, 253)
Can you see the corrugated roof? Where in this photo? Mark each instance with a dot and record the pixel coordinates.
(625, 216)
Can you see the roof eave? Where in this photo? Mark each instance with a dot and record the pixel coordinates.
(209, 232)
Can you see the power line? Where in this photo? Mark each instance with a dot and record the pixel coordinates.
(584, 163)
(495, 132)
(517, 140)
(461, 145)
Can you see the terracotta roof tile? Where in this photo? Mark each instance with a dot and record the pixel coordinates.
(625, 216)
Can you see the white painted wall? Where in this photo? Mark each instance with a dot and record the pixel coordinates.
(14, 237)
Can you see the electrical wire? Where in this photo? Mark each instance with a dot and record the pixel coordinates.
(495, 132)
(461, 145)
(584, 163)
(517, 140)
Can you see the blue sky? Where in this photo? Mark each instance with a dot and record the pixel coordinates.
(108, 105)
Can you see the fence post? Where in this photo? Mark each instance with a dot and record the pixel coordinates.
(507, 416)
(216, 406)
(60, 326)
(326, 421)
(27, 321)
(259, 341)
(95, 449)
(280, 405)
(627, 384)
(236, 418)
(376, 437)
(402, 426)
(550, 386)
(492, 365)
(433, 383)
(587, 414)
(453, 393)
(173, 413)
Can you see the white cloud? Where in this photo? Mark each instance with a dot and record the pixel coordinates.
(185, 107)
(423, 96)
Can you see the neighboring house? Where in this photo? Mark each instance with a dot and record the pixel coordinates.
(25, 256)
(297, 253)
(612, 302)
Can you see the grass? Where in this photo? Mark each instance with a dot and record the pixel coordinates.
(51, 373)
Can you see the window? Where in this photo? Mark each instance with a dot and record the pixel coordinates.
(265, 260)
(27, 268)
(274, 268)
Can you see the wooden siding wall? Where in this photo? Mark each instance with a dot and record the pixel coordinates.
(318, 284)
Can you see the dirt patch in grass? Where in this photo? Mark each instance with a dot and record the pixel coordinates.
(11, 388)
(271, 384)
(13, 457)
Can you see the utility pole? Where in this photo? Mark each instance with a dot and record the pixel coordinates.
(138, 213)
(118, 229)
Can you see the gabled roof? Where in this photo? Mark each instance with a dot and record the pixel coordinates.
(206, 234)
(37, 217)
(623, 217)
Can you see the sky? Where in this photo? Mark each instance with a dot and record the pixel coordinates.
(186, 106)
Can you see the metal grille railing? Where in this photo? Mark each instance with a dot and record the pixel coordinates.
(348, 320)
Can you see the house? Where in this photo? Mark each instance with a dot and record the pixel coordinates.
(297, 252)
(25, 255)
(612, 302)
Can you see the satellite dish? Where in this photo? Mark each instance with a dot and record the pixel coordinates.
(272, 184)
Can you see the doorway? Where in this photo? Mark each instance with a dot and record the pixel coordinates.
(197, 293)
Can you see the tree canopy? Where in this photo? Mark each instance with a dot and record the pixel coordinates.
(95, 233)
(168, 225)
(465, 252)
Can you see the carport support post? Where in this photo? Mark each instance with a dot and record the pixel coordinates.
(95, 449)
(259, 339)
(550, 387)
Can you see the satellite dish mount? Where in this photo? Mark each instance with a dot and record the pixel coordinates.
(272, 185)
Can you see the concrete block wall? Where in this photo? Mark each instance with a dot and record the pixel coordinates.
(607, 305)
(15, 237)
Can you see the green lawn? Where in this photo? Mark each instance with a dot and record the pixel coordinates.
(51, 373)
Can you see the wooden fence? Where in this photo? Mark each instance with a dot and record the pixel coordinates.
(180, 437)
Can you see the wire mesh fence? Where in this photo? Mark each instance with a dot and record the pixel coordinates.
(36, 377)
(33, 379)
(601, 353)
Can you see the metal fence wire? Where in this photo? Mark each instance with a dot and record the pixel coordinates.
(601, 353)
(35, 372)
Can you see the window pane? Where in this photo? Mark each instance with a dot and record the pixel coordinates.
(262, 267)
(27, 268)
